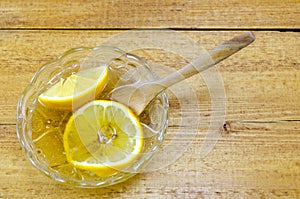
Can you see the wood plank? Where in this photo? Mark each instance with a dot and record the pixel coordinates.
(208, 14)
(247, 162)
(262, 80)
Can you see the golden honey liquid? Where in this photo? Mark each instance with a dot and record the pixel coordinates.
(48, 127)
(47, 133)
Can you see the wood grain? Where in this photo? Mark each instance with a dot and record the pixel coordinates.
(210, 14)
(257, 156)
(265, 74)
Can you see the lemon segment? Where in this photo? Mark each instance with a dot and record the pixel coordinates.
(103, 137)
(76, 90)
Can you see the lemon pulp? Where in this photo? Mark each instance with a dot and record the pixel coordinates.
(76, 90)
(103, 137)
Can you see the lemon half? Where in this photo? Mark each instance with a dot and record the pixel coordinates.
(103, 137)
(75, 90)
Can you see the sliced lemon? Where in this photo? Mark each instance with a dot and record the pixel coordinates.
(75, 90)
(103, 137)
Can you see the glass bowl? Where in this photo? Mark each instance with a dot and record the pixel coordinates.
(40, 129)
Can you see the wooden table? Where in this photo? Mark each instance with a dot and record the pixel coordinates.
(258, 154)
